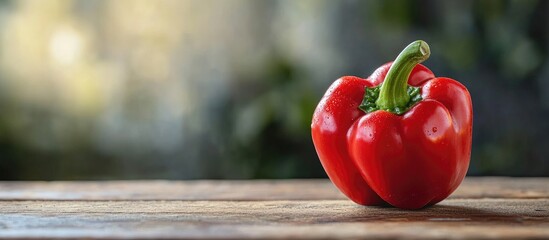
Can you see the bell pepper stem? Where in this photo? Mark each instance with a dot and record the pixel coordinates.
(393, 93)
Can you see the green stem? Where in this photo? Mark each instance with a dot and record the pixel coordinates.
(394, 89)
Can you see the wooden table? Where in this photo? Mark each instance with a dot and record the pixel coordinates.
(497, 208)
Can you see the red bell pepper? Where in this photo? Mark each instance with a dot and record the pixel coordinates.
(401, 136)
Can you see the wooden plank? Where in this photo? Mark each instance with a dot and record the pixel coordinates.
(473, 187)
(503, 187)
(454, 218)
(171, 190)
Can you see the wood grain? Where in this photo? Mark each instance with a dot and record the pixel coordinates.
(482, 208)
(478, 218)
(490, 187)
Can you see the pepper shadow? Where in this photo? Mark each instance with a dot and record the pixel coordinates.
(436, 213)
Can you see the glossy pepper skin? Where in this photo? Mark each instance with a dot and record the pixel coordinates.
(409, 154)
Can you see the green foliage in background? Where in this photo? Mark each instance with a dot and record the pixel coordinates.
(214, 89)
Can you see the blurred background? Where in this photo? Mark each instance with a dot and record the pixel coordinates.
(137, 89)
